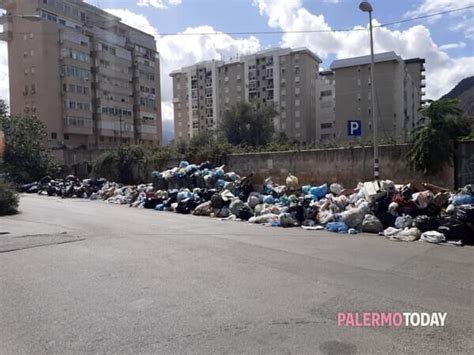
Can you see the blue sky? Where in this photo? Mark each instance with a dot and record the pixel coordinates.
(445, 42)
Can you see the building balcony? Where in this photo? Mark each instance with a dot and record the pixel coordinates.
(176, 100)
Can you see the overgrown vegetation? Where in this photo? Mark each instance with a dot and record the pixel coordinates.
(441, 125)
(8, 199)
(245, 124)
(26, 156)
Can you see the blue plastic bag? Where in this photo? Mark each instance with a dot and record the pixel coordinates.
(463, 199)
(319, 191)
(337, 227)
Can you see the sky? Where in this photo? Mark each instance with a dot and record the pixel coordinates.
(445, 41)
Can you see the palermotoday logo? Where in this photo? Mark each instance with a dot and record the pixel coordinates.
(391, 319)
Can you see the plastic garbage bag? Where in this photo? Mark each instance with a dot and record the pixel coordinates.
(305, 189)
(404, 221)
(287, 220)
(292, 182)
(433, 237)
(223, 212)
(268, 199)
(388, 186)
(319, 191)
(406, 235)
(263, 219)
(425, 223)
(463, 199)
(324, 217)
(216, 201)
(422, 199)
(336, 189)
(254, 199)
(371, 224)
(235, 206)
(183, 164)
(337, 227)
(353, 217)
(245, 212)
(204, 209)
(392, 208)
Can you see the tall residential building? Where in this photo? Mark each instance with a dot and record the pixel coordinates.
(195, 99)
(398, 96)
(325, 108)
(93, 80)
(284, 78)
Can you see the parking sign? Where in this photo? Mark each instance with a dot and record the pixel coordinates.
(354, 128)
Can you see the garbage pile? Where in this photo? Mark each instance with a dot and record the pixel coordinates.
(417, 211)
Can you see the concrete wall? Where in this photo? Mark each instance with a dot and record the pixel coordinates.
(345, 165)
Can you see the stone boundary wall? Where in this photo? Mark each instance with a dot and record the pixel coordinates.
(343, 165)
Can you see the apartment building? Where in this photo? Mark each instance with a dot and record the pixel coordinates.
(399, 94)
(195, 92)
(325, 108)
(93, 80)
(285, 78)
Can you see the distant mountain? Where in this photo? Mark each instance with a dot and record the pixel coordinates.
(168, 131)
(464, 92)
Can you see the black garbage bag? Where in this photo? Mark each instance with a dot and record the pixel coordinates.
(454, 229)
(46, 179)
(245, 191)
(207, 194)
(150, 200)
(425, 223)
(216, 201)
(186, 206)
(198, 180)
(223, 212)
(245, 212)
(465, 213)
(297, 212)
(387, 219)
(205, 165)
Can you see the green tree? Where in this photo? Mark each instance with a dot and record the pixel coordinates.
(442, 123)
(26, 156)
(245, 124)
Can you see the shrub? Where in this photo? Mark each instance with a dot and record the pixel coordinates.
(8, 200)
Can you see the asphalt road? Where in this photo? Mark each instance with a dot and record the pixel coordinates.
(80, 276)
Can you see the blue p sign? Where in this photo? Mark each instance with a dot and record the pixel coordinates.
(354, 128)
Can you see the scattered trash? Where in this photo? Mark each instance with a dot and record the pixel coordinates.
(399, 212)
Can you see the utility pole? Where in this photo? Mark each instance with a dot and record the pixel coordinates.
(366, 7)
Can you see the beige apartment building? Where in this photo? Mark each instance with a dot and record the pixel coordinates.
(398, 87)
(285, 78)
(325, 108)
(93, 80)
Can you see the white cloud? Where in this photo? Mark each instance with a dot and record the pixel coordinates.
(463, 18)
(159, 4)
(332, 1)
(435, 6)
(442, 72)
(179, 51)
(448, 46)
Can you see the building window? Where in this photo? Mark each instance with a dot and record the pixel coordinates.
(326, 125)
(325, 93)
(66, 136)
(54, 135)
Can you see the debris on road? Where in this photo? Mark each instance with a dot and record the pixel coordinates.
(416, 211)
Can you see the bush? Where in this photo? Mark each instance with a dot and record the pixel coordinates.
(26, 157)
(8, 200)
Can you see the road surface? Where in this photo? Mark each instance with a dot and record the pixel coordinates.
(79, 276)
